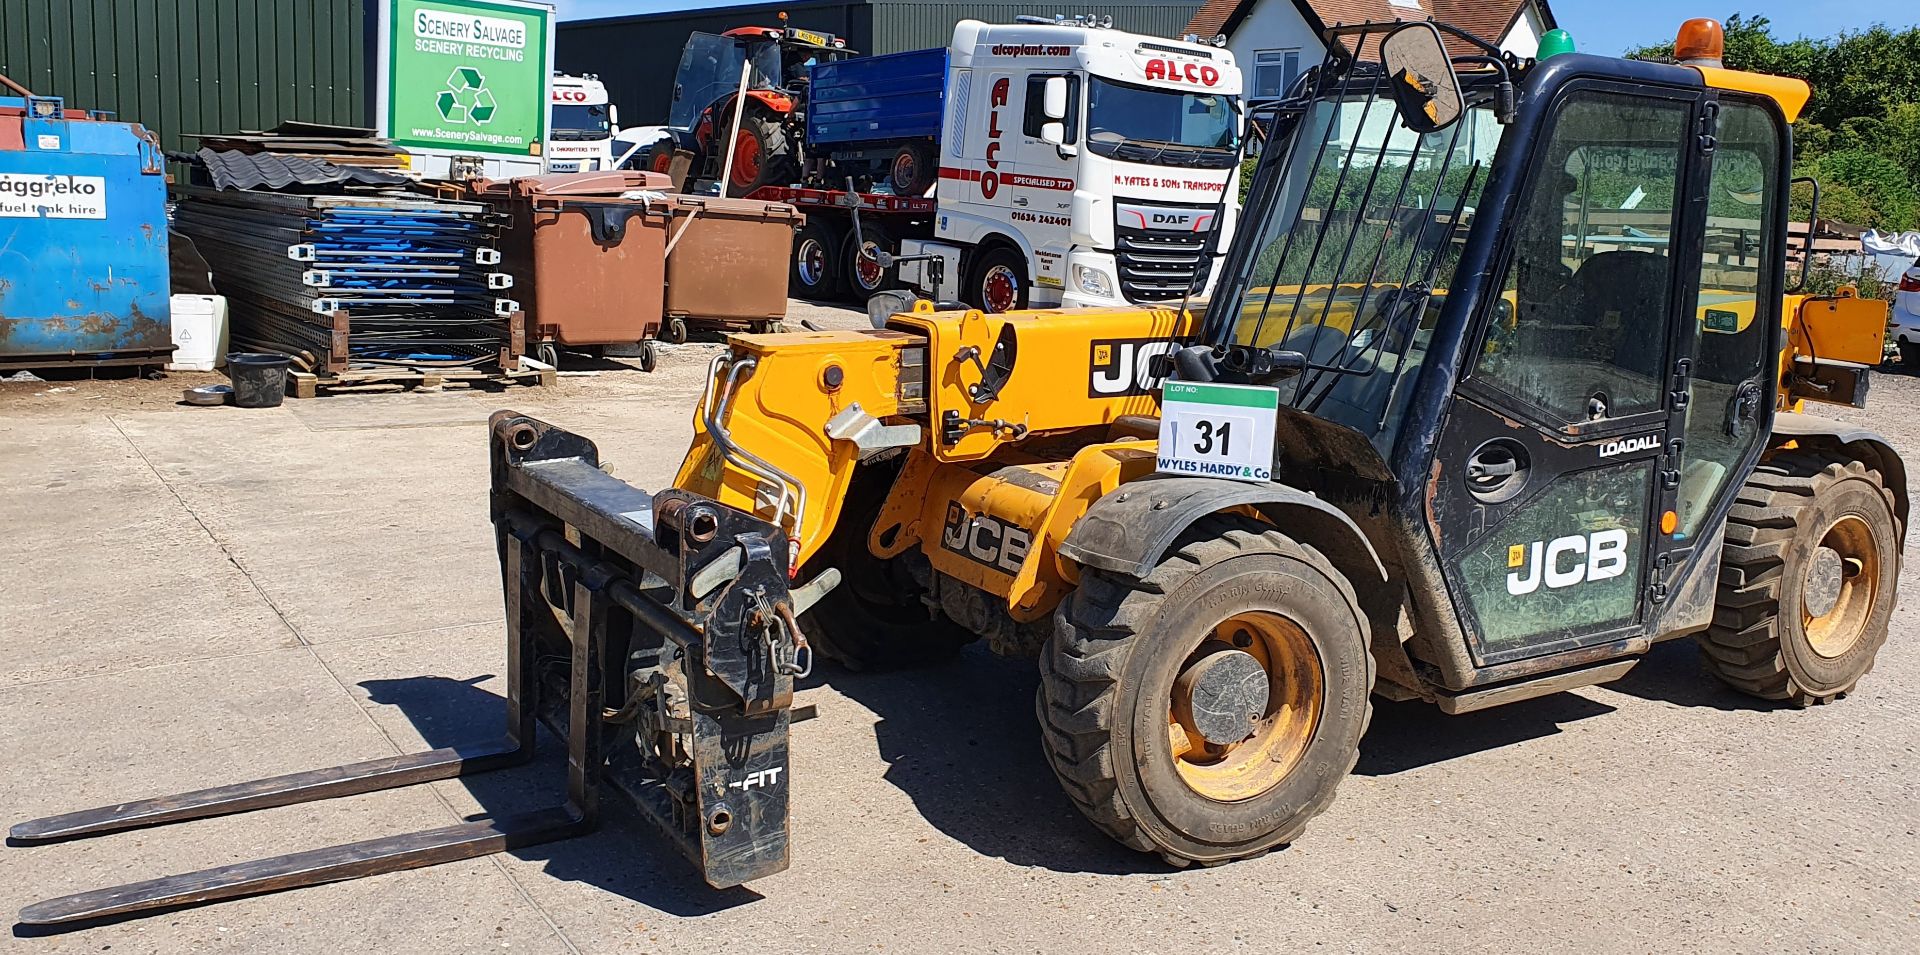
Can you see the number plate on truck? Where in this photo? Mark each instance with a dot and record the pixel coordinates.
(1217, 430)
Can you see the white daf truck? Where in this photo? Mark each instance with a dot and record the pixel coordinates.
(1071, 164)
(582, 124)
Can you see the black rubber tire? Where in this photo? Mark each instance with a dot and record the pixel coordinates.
(547, 353)
(674, 331)
(857, 288)
(1103, 672)
(820, 238)
(1780, 518)
(649, 356)
(984, 266)
(775, 158)
(875, 619)
(913, 169)
(1910, 355)
(659, 157)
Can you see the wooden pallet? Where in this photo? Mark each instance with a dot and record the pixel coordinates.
(301, 384)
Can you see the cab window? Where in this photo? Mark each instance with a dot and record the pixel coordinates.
(1036, 108)
(1580, 333)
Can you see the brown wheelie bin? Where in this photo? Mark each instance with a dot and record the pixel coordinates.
(587, 253)
(727, 264)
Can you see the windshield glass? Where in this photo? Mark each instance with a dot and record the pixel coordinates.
(1362, 222)
(1165, 127)
(576, 123)
(710, 69)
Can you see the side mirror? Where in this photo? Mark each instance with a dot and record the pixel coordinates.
(1053, 99)
(1426, 90)
(1054, 133)
(613, 117)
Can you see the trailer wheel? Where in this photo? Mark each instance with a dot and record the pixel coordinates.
(1808, 579)
(999, 281)
(761, 155)
(876, 619)
(1208, 711)
(816, 261)
(863, 271)
(912, 170)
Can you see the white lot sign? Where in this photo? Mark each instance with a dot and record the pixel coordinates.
(1217, 430)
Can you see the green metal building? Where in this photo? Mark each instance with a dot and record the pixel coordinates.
(194, 66)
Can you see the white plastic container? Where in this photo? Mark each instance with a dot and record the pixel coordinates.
(199, 333)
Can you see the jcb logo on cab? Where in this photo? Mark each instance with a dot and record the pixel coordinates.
(1565, 561)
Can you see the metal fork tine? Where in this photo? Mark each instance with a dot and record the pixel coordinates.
(313, 867)
(389, 772)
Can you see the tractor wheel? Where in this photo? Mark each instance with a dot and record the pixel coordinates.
(1207, 711)
(999, 281)
(761, 156)
(659, 157)
(1807, 583)
(913, 169)
(815, 272)
(875, 619)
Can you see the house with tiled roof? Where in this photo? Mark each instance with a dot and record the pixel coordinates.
(1275, 40)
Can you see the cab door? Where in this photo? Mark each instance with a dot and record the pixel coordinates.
(1555, 484)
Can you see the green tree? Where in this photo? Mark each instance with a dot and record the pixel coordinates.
(1860, 132)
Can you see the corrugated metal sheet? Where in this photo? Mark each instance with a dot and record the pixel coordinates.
(194, 66)
(637, 56)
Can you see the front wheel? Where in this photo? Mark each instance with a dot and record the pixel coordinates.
(999, 281)
(1209, 710)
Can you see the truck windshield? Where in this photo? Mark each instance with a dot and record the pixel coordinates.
(710, 69)
(1360, 225)
(1163, 127)
(573, 122)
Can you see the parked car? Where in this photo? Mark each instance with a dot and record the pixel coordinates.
(1904, 327)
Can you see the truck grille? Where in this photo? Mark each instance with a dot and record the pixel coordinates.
(1157, 266)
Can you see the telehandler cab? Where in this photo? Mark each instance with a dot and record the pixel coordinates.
(1502, 384)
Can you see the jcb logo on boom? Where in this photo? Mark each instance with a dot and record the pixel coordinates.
(1123, 367)
(985, 540)
(1597, 556)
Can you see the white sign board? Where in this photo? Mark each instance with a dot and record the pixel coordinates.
(1217, 430)
(41, 195)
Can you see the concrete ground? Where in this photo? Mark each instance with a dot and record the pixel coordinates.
(196, 596)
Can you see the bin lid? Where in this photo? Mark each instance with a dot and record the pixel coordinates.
(750, 208)
(585, 184)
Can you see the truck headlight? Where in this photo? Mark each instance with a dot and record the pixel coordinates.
(1093, 281)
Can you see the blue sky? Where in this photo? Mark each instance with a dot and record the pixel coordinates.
(1598, 26)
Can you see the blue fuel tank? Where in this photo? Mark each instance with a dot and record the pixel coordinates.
(83, 238)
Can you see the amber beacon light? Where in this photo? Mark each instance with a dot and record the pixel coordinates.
(1701, 43)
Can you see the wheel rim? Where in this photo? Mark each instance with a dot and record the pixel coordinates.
(866, 269)
(662, 162)
(1256, 670)
(1842, 582)
(1000, 289)
(746, 159)
(905, 169)
(810, 261)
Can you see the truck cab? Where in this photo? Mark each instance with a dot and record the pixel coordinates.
(1080, 166)
(583, 125)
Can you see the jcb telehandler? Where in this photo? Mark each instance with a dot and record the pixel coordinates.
(1501, 385)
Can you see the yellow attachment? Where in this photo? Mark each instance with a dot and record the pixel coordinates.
(779, 413)
(1790, 93)
(1000, 529)
(1073, 368)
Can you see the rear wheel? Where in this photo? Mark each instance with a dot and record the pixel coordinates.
(863, 272)
(1807, 583)
(999, 281)
(816, 261)
(761, 156)
(1910, 355)
(1207, 711)
(912, 170)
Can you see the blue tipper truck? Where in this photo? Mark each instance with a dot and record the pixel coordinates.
(877, 118)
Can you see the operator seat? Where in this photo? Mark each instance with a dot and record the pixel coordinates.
(1633, 285)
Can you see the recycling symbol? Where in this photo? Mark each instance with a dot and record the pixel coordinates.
(466, 98)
